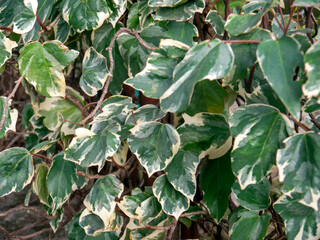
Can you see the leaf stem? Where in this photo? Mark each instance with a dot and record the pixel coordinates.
(303, 126)
(241, 41)
(40, 22)
(4, 114)
(42, 156)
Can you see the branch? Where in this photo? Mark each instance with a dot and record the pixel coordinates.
(4, 114)
(50, 26)
(34, 234)
(109, 49)
(7, 29)
(40, 22)
(304, 127)
(241, 41)
(193, 213)
(26, 208)
(39, 155)
(314, 120)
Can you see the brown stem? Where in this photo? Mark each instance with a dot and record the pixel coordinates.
(314, 120)
(7, 29)
(109, 49)
(72, 122)
(193, 213)
(40, 22)
(282, 18)
(248, 83)
(39, 155)
(303, 126)
(75, 101)
(241, 41)
(165, 228)
(290, 18)
(274, 15)
(89, 104)
(50, 26)
(134, 118)
(4, 114)
(35, 234)
(26, 208)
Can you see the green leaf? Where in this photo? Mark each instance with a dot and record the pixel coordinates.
(6, 46)
(183, 32)
(91, 223)
(101, 39)
(39, 185)
(156, 77)
(11, 117)
(284, 54)
(92, 149)
(117, 9)
(25, 17)
(312, 105)
(208, 96)
(216, 21)
(146, 113)
(57, 109)
(312, 60)
(85, 15)
(181, 173)
(173, 202)
(216, 180)
(63, 31)
(182, 12)
(205, 134)
(299, 167)
(16, 170)
(245, 53)
(42, 65)
(101, 198)
(255, 196)
(301, 222)
(133, 53)
(207, 60)
(255, 226)
(61, 180)
(307, 3)
(148, 210)
(8, 10)
(154, 144)
(165, 3)
(259, 131)
(94, 72)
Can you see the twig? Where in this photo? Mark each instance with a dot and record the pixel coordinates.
(290, 18)
(26, 208)
(39, 155)
(274, 15)
(303, 126)
(75, 101)
(314, 120)
(50, 26)
(109, 49)
(7, 29)
(4, 231)
(283, 21)
(134, 118)
(40, 22)
(248, 82)
(89, 104)
(72, 122)
(194, 213)
(34, 234)
(4, 114)
(165, 228)
(241, 41)
(26, 228)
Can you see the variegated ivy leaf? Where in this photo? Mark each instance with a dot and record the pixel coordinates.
(135, 55)
(92, 149)
(11, 117)
(299, 167)
(148, 210)
(94, 72)
(25, 17)
(39, 185)
(286, 55)
(259, 131)
(255, 226)
(182, 31)
(182, 12)
(43, 146)
(301, 222)
(216, 21)
(172, 201)
(62, 31)
(154, 144)
(181, 173)
(101, 198)
(91, 223)
(312, 60)
(215, 196)
(16, 170)
(255, 197)
(156, 77)
(43, 11)
(42, 65)
(8, 10)
(85, 15)
(237, 24)
(57, 109)
(61, 180)
(6, 46)
(207, 60)
(307, 3)
(129, 204)
(117, 7)
(120, 156)
(205, 134)
(165, 3)
(146, 113)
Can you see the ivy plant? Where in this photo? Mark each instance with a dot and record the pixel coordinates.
(164, 119)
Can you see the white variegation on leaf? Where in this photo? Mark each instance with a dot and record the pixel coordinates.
(259, 131)
(101, 198)
(299, 167)
(181, 173)
(154, 144)
(61, 181)
(207, 60)
(148, 210)
(172, 201)
(6, 46)
(85, 15)
(16, 170)
(42, 65)
(205, 134)
(25, 19)
(94, 72)
(91, 223)
(11, 118)
(165, 3)
(91, 149)
(146, 113)
(39, 184)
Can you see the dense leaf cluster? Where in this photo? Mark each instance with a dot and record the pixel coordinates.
(166, 119)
